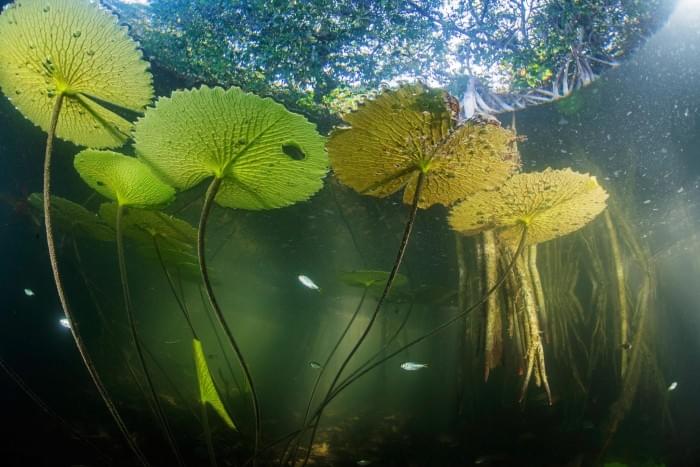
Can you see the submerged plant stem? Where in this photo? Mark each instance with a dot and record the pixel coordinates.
(74, 327)
(163, 421)
(201, 254)
(325, 365)
(392, 275)
(367, 368)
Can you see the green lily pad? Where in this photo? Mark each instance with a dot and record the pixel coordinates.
(123, 179)
(74, 219)
(143, 225)
(78, 49)
(266, 156)
(207, 390)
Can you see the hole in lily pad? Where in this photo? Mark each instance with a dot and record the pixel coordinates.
(294, 151)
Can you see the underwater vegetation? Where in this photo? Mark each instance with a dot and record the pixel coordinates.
(69, 68)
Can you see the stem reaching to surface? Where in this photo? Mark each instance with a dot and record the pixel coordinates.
(160, 415)
(171, 284)
(326, 363)
(444, 325)
(201, 253)
(392, 275)
(67, 311)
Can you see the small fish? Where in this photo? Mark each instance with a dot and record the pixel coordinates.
(626, 346)
(673, 386)
(362, 462)
(315, 365)
(29, 292)
(64, 322)
(307, 282)
(413, 366)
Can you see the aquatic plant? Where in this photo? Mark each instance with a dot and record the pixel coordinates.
(258, 155)
(546, 205)
(129, 182)
(407, 139)
(68, 66)
(74, 219)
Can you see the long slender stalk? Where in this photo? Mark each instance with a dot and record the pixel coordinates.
(75, 328)
(171, 284)
(163, 421)
(329, 358)
(621, 289)
(207, 435)
(201, 253)
(348, 381)
(392, 275)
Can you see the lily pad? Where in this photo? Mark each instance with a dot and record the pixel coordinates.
(74, 219)
(410, 130)
(78, 49)
(124, 179)
(266, 156)
(551, 204)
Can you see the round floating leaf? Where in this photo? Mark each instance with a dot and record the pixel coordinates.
(124, 179)
(404, 132)
(74, 219)
(551, 204)
(366, 279)
(144, 226)
(77, 48)
(266, 156)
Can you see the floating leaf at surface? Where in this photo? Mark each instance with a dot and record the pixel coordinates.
(404, 132)
(121, 178)
(207, 391)
(74, 219)
(267, 156)
(77, 48)
(551, 204)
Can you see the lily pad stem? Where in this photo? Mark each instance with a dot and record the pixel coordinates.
(163, 421)
(201, 254)
(439, 328)
(394, 270)
(74, 327)
(328, 360)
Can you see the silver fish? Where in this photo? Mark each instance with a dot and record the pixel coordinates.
(29, 292)
(673, 386)
(363, 462)
(315, 365)
(64, 322)
(307, 282)
(413, 366)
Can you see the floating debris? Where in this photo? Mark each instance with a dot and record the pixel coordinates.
(626, 346)
(308, 283)
(673, 386)
(29, 292)
(413, 366)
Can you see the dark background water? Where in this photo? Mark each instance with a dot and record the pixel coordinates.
(640, 123)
